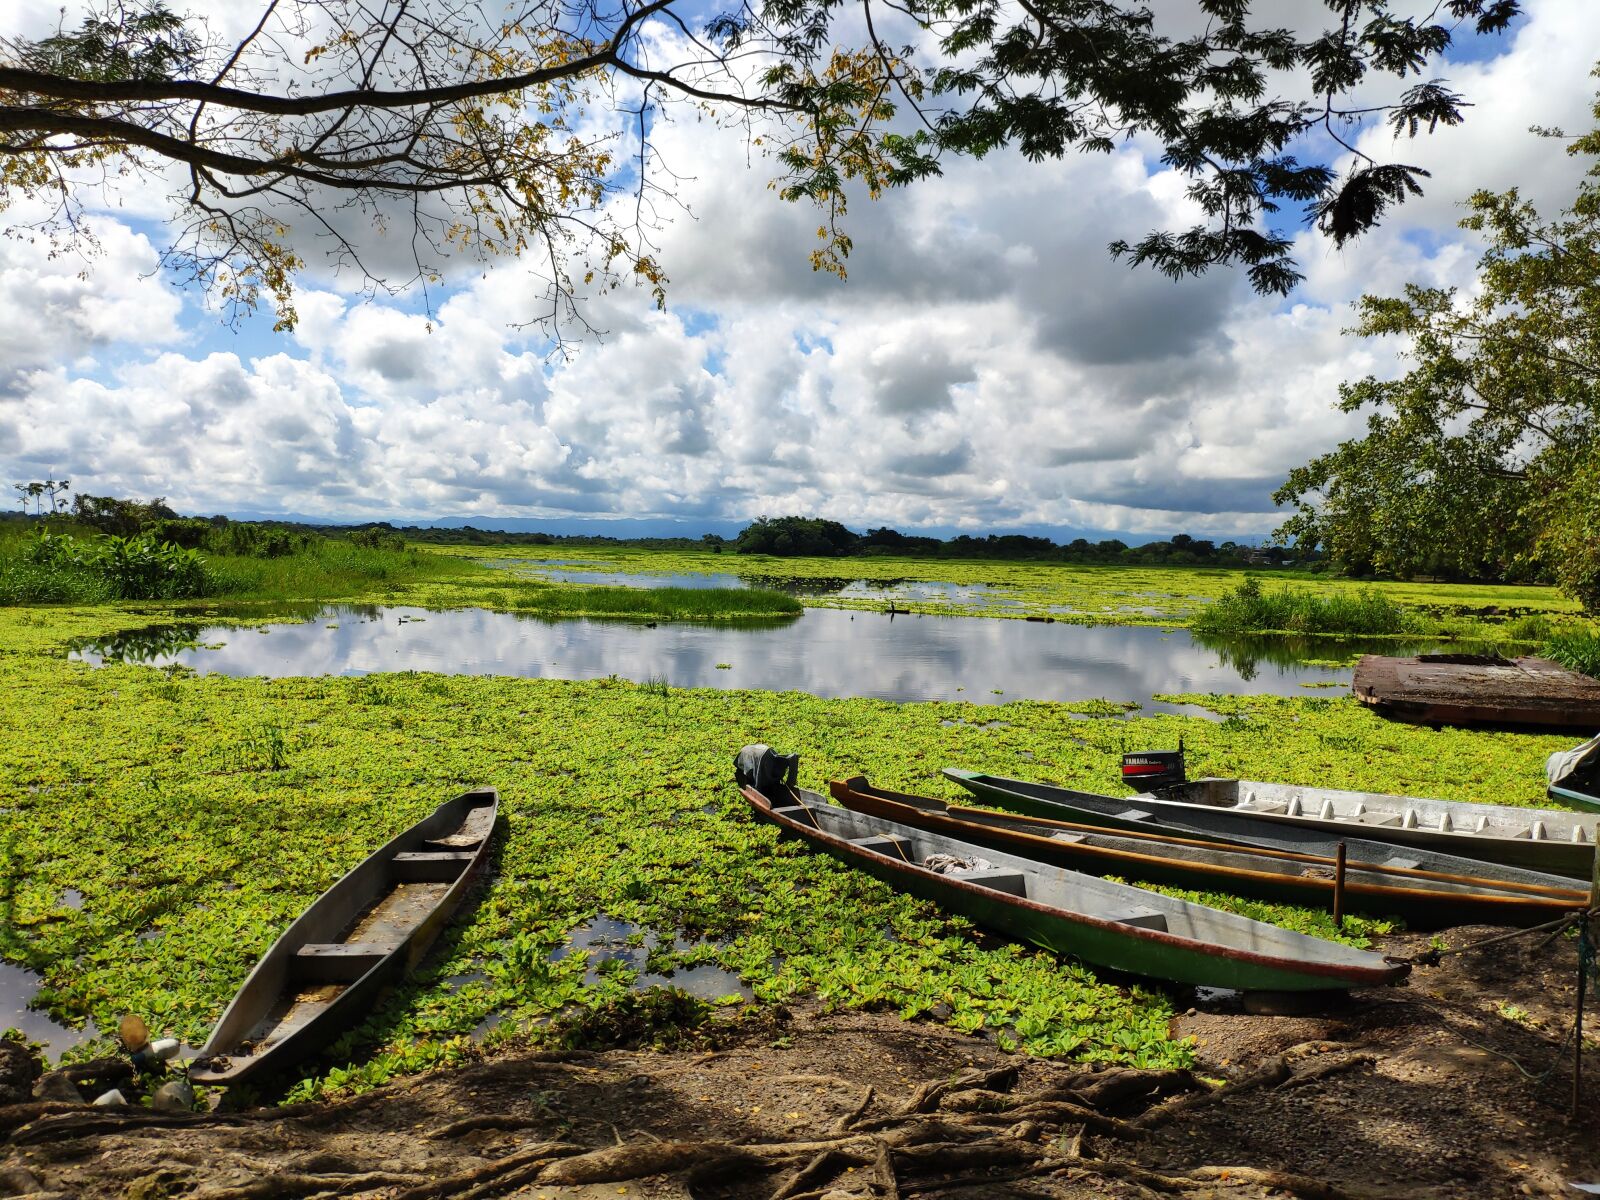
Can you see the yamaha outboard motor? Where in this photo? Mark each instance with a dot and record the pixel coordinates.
(1152, 770)
(763, 768)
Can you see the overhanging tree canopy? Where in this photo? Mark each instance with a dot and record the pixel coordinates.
(483, 128)
(1484, 458)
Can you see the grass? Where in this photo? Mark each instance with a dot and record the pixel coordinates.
(329, 570)
(666, 604)
(1250, 608)
(1577, 648)
(198, 815)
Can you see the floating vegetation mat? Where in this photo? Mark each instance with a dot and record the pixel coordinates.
(166, 827)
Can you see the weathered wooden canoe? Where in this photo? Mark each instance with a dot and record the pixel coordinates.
(1426, 899)
(1473, 689)
(1552, 841)
(367, 931)
(1108, 924)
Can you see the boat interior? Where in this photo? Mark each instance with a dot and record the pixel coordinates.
(1385, 812)
(365, 918)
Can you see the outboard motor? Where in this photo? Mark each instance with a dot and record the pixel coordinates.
(1152, 770)
(763, 768)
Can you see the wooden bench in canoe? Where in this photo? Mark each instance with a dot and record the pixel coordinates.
(1471, 689)
(367, 931)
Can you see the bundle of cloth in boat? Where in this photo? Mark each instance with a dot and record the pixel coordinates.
(1576, 770)
(763, 768)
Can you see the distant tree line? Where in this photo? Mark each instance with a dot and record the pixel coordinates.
(788, 537)
(816, 537)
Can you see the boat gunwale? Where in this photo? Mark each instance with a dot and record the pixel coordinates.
(1542, 899)
(287, 941)
(1509, 812)
(1353, 975)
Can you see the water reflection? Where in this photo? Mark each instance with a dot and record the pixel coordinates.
(826, 652)
(1285, 652)
(18, 985)
(843, 587)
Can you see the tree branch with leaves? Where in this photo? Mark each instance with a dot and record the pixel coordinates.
(470, 129)
(1484, 457)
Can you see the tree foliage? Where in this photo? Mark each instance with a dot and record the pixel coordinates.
(456, 128)
(1484, 458)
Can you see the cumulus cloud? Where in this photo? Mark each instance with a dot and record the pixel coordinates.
(986, 365)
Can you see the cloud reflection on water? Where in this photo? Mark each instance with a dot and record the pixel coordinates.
(829, 653)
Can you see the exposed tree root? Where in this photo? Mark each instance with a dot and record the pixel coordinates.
(1209, 1178)
(280, 1184)
(973, 1130)
(927, 1095)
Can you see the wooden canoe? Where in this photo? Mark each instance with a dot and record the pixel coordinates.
(1544, 841)
(365, 932)
(1107, 924)
(1470, 689)
(1425, 899)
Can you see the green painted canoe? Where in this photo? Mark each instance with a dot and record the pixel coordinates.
(1575, 798)
(1107, 924)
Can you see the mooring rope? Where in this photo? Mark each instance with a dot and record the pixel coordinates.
(1431, 956)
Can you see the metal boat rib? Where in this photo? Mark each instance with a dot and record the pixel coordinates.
(1109, 924)
(368, 930)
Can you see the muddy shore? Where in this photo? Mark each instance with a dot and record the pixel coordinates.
(1453, 1085)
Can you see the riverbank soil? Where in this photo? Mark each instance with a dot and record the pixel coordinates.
(1434, 1089)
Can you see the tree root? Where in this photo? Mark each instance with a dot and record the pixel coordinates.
(927, 1095)
(1302, 1186)
(282, 1184)
(44, 1121)
(846, 1122)
(969, 1131)
(537, 1157)
(1274, 1072)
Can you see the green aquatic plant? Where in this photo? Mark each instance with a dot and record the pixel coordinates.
(1250, 608)
(194, 837)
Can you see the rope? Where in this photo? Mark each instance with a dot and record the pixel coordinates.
(1431, 956)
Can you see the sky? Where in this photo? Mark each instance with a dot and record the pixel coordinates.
(985, 367)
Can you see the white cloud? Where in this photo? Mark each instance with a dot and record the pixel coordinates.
(986, 365)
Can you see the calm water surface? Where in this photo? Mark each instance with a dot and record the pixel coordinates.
(825, 652)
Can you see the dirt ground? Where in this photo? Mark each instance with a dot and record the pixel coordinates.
(1443, 1087)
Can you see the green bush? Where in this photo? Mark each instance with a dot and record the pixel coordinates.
(374, 538)
(48, 567)
(246, 540)
(1578, 649)
(1249, 609)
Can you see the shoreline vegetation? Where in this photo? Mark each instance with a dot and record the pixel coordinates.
(121, 552)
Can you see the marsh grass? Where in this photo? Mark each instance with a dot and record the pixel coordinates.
(1250, 608)
(330, 570)
(662, 604)
(1578, 649)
